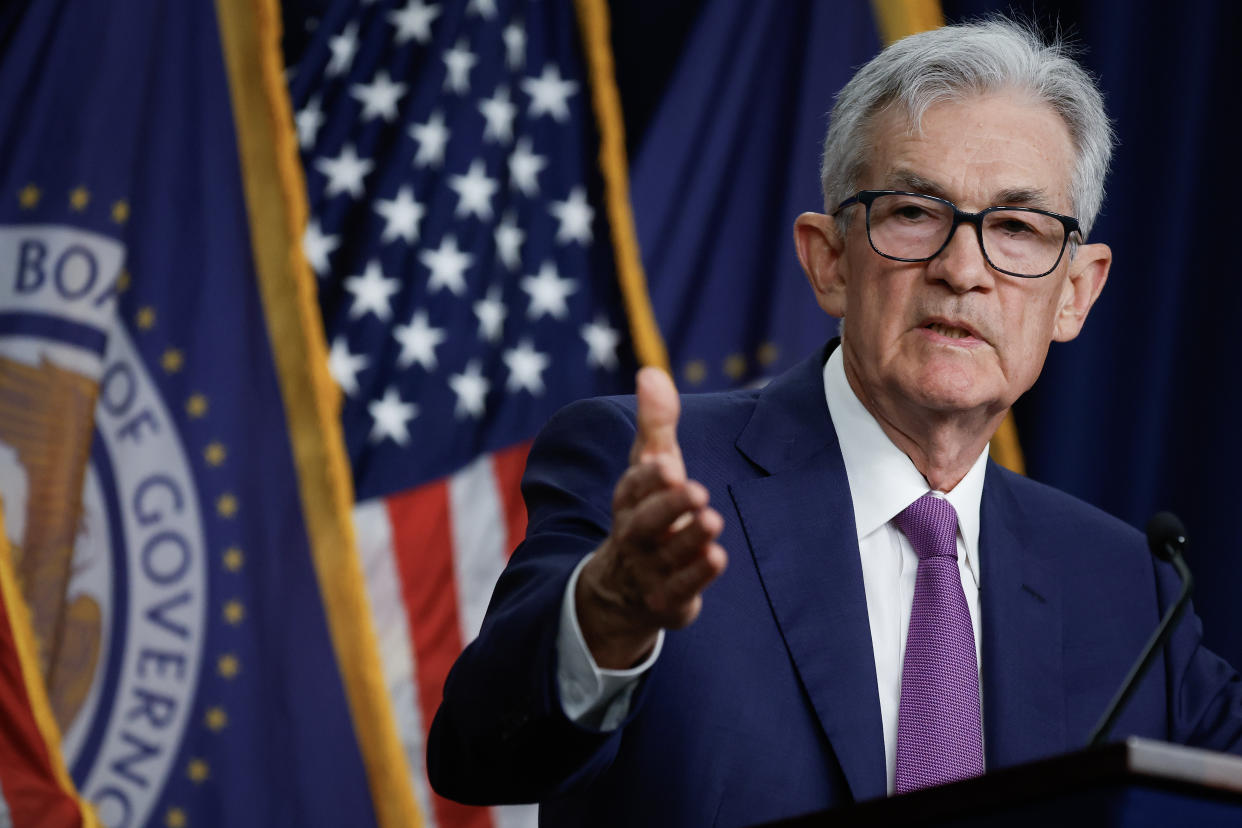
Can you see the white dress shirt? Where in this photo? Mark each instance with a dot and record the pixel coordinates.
(883, 481)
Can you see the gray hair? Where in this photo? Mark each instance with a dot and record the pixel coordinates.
(957, 62)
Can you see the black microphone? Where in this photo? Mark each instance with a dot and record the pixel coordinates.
(1166, 537)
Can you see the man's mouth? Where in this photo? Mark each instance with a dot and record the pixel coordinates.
(950, 331)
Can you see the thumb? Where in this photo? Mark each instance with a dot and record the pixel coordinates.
(658, 410)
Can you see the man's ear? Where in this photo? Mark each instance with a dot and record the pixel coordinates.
(820, 245)
(1088, 271)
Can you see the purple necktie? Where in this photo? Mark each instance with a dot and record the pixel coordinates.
(939, 733)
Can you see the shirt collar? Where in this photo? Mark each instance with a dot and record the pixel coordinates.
(883, 480)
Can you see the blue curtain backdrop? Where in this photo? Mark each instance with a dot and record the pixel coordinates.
(1139, 414)
(725, 103)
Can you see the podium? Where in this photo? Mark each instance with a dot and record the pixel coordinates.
(1133, 783)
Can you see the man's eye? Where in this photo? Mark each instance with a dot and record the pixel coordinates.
(1015, 227)
(911, 212)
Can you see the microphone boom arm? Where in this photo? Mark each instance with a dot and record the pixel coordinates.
(1113, 711)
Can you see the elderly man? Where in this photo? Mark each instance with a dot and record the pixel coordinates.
(896, 611)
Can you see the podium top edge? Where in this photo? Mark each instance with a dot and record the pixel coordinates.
(1183, 764)
(1135, 762)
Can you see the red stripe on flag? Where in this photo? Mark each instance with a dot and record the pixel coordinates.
(422, 542)
(30, 787)
(508, 466)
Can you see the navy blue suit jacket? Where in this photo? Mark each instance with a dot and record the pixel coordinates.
(766, 706)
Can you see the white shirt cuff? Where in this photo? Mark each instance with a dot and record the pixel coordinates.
(590, 696)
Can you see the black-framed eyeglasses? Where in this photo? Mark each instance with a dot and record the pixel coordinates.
(913, 227)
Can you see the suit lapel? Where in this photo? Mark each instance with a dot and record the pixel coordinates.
(799, 522)
(1023, 682)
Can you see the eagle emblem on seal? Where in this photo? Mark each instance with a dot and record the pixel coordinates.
(46, 425)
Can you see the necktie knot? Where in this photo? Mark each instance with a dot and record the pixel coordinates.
(930, 524)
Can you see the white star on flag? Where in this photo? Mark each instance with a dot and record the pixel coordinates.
(344, 366)
(309, 119)
(401, 216)
(345, 172)
(515, 46)
(418, 342)
(432, 138)
(483, 8)
(343, 46)
(575, 216)
(499, 112)
(379, 97)
(601, 340)
(509, 238)
(371, 292)
(471, 388)
(391, 417)
(526, 367)
(413, 22)
(318, 247)
(549, 93)
(524, 168)
(491, 312)
(459, 61)
(548, 292)
(474, 191)
(448, 267)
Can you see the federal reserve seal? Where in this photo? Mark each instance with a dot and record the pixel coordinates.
(103, 516)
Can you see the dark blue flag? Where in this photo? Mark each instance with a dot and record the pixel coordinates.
(174, 483)
(727, 161)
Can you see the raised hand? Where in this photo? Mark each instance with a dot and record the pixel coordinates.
(651, 570)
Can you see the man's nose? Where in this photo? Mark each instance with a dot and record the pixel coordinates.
(961, 264)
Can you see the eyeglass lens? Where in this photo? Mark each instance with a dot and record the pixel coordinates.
(915, 227)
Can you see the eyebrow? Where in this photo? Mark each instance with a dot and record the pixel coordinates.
(1025, 197)
(1016, 196)
(912, 181)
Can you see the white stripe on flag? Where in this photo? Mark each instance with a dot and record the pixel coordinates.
(396, 651)
(479, 555)
(516, 816)
(479, 538)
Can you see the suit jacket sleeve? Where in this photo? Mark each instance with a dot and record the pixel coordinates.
(500, 734)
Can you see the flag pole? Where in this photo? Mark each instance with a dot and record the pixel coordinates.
(277, 210)
(594, 24)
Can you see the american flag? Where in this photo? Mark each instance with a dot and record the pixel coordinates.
(468, 290)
